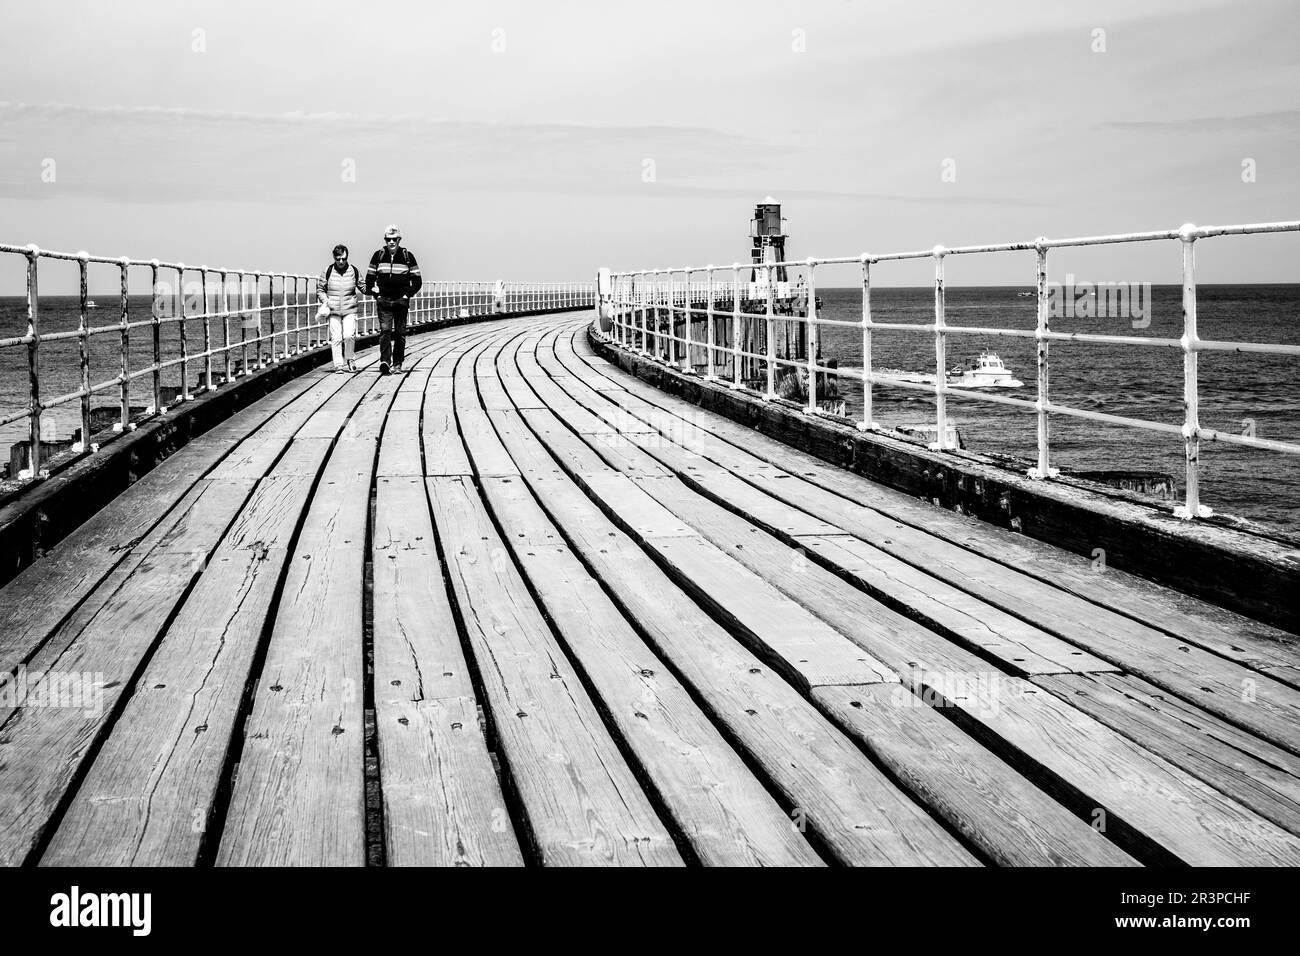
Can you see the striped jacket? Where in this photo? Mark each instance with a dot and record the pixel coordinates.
(393, 276)
(341, 291)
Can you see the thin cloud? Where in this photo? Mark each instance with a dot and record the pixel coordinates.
(1278, 121)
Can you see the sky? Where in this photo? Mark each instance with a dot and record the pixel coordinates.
(543, 140)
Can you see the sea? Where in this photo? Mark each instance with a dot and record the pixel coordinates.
(1240, 392)
(59, 362)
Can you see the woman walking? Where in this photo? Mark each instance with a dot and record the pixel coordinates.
(339, 290)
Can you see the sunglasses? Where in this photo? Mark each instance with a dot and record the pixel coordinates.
(393, 240)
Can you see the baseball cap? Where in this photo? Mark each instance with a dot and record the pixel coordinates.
(392, 232)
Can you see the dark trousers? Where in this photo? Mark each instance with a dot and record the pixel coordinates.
(392, 331)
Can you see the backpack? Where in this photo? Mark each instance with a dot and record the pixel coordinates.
(356, 275)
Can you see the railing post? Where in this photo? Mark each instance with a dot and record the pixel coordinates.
(184, 393)
(1044, 467)
(708, 325)
(83, 340)
(126, 348)
(157, 337)
(284, 302)
(648, 293)
(664, 343)
(299, 300)
(771, 333)
(1192, 508)
(812, 338)
(687, 315)
(257, 311)
(940, 355)
(225, 326)
(736, 381)
(207, 331)
(617, 327)
(628, 312)
(642, 295)
(33, 360)
(671, 338)
(243, 326)
(661, 298)
(867, 424)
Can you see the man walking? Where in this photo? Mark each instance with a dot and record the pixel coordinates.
(393, 278)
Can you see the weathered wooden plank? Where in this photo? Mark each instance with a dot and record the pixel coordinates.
(1151, 807)
(1252, 572)
(42, 748)
(1213, 683)
(149, 796)
(554, 397)
(444, 453)
(897, 595)
(298, 795)
(1257, 775)
(34, 603)
(583, 803)
(399, 452)
(1207, 680)
(595, 374)
(788, 634)
(289, 420)
(1016, 645)
(1191, 619)
(410, 396)
(180, 721)
(810, 651)
(1164, 815)
(475, 429)
(108, 637)
(443, 805)
(724, 813)
(541, 466)
(780, 629)
(835, 791)
(1010, 820)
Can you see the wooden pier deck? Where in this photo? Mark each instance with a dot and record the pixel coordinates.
(514, 606)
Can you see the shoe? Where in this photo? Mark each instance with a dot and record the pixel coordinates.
(383, 368)
(397, 367)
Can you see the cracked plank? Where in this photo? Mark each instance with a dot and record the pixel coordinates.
(582, 802)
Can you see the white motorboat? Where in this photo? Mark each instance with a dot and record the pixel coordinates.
(987, 371)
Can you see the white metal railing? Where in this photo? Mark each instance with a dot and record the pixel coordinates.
(635, 296)
(275, 314)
